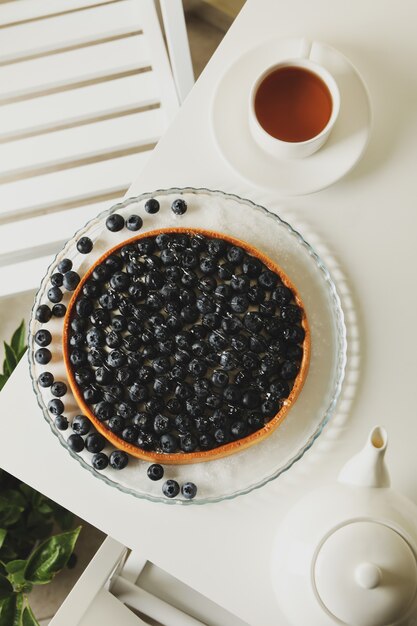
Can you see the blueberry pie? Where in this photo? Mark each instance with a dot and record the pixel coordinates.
(181, 345)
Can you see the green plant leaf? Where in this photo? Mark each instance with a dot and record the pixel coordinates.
(50, 557)
(15, 570)
(17, 343)
(6, 587)
(11, 610)
(6, 369)
(3, 380)
(28, 619)
(10, 357)
(11, 507)
(3, 533)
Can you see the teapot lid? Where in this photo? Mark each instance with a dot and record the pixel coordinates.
(365, 574)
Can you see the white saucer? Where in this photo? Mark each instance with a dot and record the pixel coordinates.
(290, 177)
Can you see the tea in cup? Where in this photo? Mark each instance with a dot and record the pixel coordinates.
(293, 107)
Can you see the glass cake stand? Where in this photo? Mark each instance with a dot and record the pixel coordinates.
(249, 469)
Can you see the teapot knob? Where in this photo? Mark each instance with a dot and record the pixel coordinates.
(368, 575)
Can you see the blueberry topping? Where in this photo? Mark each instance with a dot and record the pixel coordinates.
(118, 459)
(84, 245)
(43, 313)
(155, 471)
(189, 490)
(179, 206)
(170, 488)
(179, 342)
(100, 461)
(152, 206)
(71, 280)
(115, 222)
(75, 443)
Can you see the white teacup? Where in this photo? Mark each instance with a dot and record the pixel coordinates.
(280, 148)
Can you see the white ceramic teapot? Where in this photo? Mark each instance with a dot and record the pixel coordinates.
(346, 554)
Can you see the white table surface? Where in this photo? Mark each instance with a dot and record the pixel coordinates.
(365, 229)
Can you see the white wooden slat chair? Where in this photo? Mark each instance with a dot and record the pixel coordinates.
(86, 90)
(119, 587)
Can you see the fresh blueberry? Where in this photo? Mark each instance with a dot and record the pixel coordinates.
(95, 442)
(78, 324)
(43, 337)
(118, 459)
(170, 488)
(232, 394)
(291, 314)
(43, 356)
(61, 422)
(59, 310)
(152, 206)
(100, 461)
(45, 379)
(189, 490)
(57, 279)
(84, 245)
(75, 443)
(54, 294)
(179, 206)
(208, 265)
(81, 425)
(155, 471)
(71, 280)
(64, 266)
(43, 313)
(59, 389)
(115, 222)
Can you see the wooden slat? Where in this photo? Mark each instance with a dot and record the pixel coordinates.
(36, 236)
(74, 28)
(16, 11)
(51, 192)
(77, 105)
(58, 70)
(62, 149)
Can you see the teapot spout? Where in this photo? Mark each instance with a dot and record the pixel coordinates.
(367, 468)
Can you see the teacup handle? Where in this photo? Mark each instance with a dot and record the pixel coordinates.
(305, 51)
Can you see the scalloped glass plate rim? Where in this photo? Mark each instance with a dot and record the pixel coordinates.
(340, 371)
